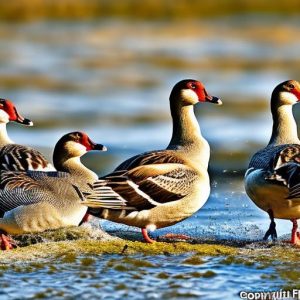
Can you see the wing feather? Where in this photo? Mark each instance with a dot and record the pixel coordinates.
(286, 170)
(150, 158)
(15, 157)
(148, 186)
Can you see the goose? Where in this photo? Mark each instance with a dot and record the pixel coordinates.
(161, 188)
(16, 157)
(272, 180)
(35, 201)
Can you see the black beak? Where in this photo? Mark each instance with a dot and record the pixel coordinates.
(24, 121)
(99, 147)
(213, 99)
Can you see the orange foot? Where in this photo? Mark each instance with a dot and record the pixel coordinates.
(295, 237)
(6, 242)
(146, 236)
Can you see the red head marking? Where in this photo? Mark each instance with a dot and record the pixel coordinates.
(9, 108)
(294, 89)
(199, 89)
(89, 144)
(85, 141)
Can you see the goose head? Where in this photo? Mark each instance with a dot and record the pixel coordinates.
(286, 93)
(76, 144)
(190, 92)
(9, 113)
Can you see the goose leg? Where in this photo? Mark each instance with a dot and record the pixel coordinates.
(87, 217)
(146, 236)
(6, 243)
(295, 238)
(272, 229)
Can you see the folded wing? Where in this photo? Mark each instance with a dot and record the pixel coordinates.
(20, 158)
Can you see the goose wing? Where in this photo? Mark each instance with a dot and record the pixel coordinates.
(286, 170)
(24, 188)
(15, 157)
(149, 158)
(147, 186)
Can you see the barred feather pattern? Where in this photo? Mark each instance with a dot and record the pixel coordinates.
(26, 181)
(147, 158)
(264, 159)
(23, 188)
(104, 196)
(141, 193)
(15, 157)
(286, 169)
(178, 181)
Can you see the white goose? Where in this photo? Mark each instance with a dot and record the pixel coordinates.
(35, 201)
(272, 180)
(161, 188)
(17, 157)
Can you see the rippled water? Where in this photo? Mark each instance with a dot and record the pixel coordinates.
(138, 277)
(112, 79)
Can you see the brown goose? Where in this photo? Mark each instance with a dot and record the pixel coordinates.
(17, 157)
(35, 201)
(272, 180)
(161, 188)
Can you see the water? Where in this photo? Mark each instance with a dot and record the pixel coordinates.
(138, 277)
(112, 79)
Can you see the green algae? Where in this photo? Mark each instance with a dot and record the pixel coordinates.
(209, 274)
(67, 251)
(87, 261)
(121, 286)
(87, 231)
(48, 293)
(163, 275)
(194, 260)
(185, 276)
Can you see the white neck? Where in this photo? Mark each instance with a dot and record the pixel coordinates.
(284, 126)
(74, 167)
(4, 138)
(187, 135)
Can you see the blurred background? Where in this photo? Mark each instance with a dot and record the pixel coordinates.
(107, 68)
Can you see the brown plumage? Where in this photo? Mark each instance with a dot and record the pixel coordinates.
(161, 188)
(35, 201)
(17, 157)
(272, 180)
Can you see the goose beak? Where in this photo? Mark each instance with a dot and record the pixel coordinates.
(99, 147)
(90, 145)
(23, 121)
(213, 99)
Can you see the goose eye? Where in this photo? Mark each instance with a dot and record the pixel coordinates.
(291, 86)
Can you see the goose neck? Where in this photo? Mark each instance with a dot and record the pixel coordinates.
(187, 137)
(186, 130)
(4, 138)
(284, 126)
(75, 168)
